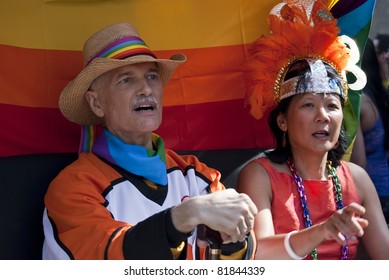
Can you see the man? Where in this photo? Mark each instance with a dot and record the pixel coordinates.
(129, 198)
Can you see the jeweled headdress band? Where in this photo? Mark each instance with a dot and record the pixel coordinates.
(315, 81)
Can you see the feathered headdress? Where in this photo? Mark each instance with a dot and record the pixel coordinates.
(302, 29)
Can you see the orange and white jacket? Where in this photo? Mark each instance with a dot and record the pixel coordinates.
(98, 211)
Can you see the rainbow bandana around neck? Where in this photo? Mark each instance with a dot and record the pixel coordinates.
(138, 160)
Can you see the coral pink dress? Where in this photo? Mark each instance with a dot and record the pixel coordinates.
(287, 210)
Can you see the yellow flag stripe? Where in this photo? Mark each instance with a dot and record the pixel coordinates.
(164, 25)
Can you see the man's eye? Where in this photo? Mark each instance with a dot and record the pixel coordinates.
(125, 81)
(153, 77)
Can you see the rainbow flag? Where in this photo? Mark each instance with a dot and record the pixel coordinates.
(40, 51)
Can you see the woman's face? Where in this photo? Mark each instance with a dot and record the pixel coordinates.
(386, 56)
(313, 122)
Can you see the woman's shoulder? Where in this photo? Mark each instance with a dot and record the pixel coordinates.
(261, 163)
(263, 167)
(254, 179)
(354, 169)
(360, 177)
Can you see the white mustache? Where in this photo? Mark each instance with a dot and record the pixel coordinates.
(145, 99)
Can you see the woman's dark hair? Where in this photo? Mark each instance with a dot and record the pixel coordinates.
(383, 43)
(282, 151)
(374, 87)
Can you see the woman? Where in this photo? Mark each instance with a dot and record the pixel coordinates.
(369, 149)
(382, 46)
(311, 203)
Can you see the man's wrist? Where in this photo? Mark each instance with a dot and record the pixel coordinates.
(184, 216)
(174, 236)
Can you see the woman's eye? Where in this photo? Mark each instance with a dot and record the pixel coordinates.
(333, 106)
(308, 105)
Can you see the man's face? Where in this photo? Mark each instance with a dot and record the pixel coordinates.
(129, 99)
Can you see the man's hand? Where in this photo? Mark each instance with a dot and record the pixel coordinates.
(228, 212)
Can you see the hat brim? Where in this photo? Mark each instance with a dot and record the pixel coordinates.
(73, 103)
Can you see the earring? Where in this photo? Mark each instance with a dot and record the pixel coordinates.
(284, 139)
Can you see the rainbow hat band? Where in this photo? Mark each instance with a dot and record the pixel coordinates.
(124, 48)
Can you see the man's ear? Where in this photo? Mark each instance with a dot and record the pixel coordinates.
(92, 98)
(281, 121)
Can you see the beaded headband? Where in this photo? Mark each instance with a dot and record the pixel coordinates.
(299, 29)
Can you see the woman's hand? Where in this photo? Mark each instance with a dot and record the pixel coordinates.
(346, 223)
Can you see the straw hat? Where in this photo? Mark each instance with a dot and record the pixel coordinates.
(112, 47)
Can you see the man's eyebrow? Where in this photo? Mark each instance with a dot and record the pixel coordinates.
(153, 69)
(131, 73)
(126, 73)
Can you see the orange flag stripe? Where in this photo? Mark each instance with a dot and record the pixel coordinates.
(209, 75)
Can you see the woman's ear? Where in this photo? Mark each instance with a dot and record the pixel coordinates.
(92, 98)
(281, 121)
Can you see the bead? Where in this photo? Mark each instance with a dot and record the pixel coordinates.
(307, 216)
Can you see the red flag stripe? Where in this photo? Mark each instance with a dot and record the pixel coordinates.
(222, 125)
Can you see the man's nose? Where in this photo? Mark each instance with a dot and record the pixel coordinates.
(144, 88)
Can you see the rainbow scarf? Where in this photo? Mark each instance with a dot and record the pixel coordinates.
(138, 160)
